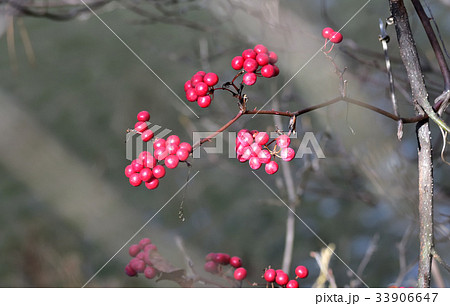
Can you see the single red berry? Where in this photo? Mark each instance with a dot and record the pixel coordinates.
(254, 163)
(187, 85)
(134, 250)
(149, 162)
(273, 57)
(326, 32)
(135, 179)
(271, 167)
(262, 59)
(141, 256)
(150, 247)
(248, 153)
(237, 63)
(260, 49)
(146, 174)
(147, 135)
(159, 171)
(211, 267)
(172, 148)
(201, 73)
(211, 79)
(248, 53)
(245, 138)
(267, 71)
(150, 272)
(282, 279)
(171, 161)
(143, 156)
(276, 71)
(292, 284)
(250, 65)
(280, 271)
(186, 146)
(336, 37)
(256, 148)
(137, 264)
(159, 143)
(137, 165)
(249, 78)
(301, 271)
(143, 242)
(210, 256)
(243, 131)
(270, 275)
(240, 158)
(182, 154)
(130, 271)
(173, 139)
(152, 184)
(240, 148)
(262, 138)
(197, 78)
(140, 126)
(240, 274)
(236, 262)
(264, 156)
(143, 116)
(287, 154)
(222, 258)
(191, 95)
(201, 89)
(204, 101)
(161, 153)
(129, 170)
(283, 141)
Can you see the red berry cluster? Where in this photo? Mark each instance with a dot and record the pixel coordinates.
(200, 87)
(257, 62)
(253, 146)
(140, 263)
(149, 168)
(216, 261)
(281, 278)
(334, 37)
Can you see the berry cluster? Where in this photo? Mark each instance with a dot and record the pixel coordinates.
(140, 263)
(257, 62)
(200, 87)
(334, 37)
(149, 168)
(253, 146)
(216, 261)
(281, 278)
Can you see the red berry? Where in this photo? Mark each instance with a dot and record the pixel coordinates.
(171, 161)
(134, 250)
(250, 65)
(260, 49)
(159, 171)
(204, 101)
(211, 267)
(187, 85)
(301, 271)
(282, 279)
(152, 184)
(197, 78)
(270, 275)
(130, 271)
(172, 148)
(262, 138)
(149, 162)
(144, 242)
(236, 262)
(140, 126)
(173, 139)
(283, 141)
(271, 167)
(249, 78)
(256, 148)
(248, 153)
(262, 59)
(336, 37)
(276, 71)
(267, 71)
(135, 179)
(222, 258)
(245, 138)
(237, 62)
(273, 57)
(240, 274)
(137, 165)
(147, 135)
(146, 174)
(150, 272)
(201, 73)
(137, 264)
(150, 247)
(292, 284)
(210, 256)
(143, 116)
(182, 154)
(191, 95)
(186, 146)
(201, 89)
(161, 153)
(326, 32)
(264, 156)
(254, 163)
(129, 170)
(159, 143)
(211, 79)
(141, 256)
(249, 53)
(287, 154)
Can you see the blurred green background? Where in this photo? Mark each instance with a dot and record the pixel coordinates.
(67, 208)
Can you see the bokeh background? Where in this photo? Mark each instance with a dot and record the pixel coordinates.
(67, 208)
